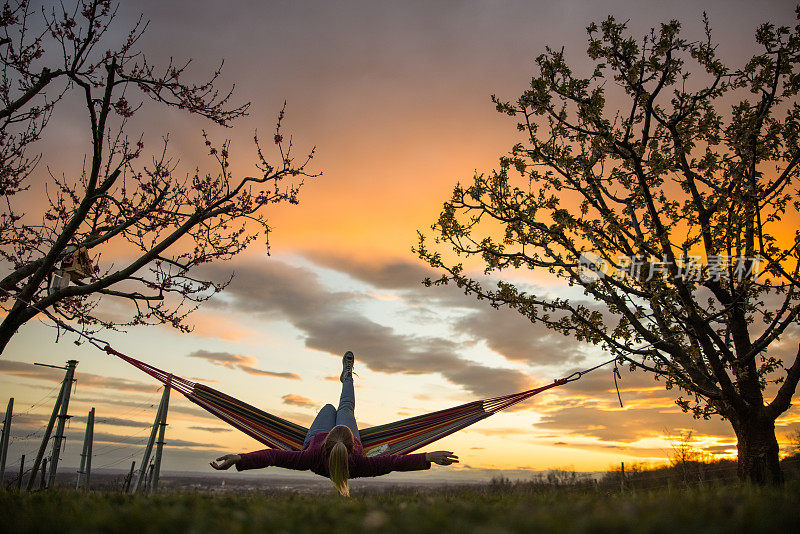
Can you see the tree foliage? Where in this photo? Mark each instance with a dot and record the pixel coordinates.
(665, 185)
(157, 224)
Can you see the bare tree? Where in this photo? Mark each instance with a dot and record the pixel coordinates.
(684, 455)
(675, 212)
(794, 442)
(167, 225)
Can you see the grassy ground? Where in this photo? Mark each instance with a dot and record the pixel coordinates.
(490, 508)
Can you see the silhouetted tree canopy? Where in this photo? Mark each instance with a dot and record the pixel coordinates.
(664, 184)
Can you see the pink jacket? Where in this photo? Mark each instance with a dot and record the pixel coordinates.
(313, 458)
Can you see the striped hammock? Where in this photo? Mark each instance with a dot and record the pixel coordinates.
(401, 437)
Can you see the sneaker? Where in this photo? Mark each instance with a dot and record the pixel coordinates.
(347, 366)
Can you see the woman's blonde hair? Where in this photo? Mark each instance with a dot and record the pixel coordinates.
(338, 447)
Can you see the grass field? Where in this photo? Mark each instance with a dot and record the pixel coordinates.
(489, 508)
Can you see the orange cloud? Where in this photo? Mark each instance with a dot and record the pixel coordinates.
(238, 361)
(260, 372)
(298, 400)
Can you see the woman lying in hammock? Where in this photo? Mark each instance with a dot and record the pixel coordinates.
(332, 447)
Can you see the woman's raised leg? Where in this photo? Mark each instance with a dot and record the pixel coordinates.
(323, 422)
(346, 415)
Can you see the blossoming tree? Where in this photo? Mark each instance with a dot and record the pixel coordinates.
(661, 160)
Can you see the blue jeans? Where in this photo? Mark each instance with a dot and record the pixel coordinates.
(329, 417)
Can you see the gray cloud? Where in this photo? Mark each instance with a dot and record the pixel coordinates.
(89, 380)
(389, 274)
(210, 429)
(224, 359)
(237, 361)
(172, 442)
(27, 370)
(504, 330)
(330, 324)
(25, 422)
(112, 421)
(104, 437)
(261, 372)
(152, 407)
(107, 439)
(516, 338)
(119, 384)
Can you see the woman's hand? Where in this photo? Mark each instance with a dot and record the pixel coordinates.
(441, 457)
(225, 461)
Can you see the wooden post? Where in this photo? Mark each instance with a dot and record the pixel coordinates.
(86, 455)
(142, 478)
(46, 438)
(58, 440)
(149, 483)
(88, 478)
(43, 447)
(43, 481)
(127, 484)
(4, 440)
(160, 443)
(21, 472)
(622, 476)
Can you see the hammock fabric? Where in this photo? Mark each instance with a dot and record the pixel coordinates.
(401, 437)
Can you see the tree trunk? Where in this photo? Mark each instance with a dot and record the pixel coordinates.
(7, 331)
(758, 449)
(11, 323)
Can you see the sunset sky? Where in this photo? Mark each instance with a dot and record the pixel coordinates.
(395, 98)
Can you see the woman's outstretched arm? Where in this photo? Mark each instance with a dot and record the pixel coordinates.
(381, 465)
(442, 457)
(299, 460)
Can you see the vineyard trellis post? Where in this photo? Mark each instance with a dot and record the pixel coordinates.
(128, 478)
(162, 409)
(86, 456)
(58, 440)
(4, 439)
(162, 423)
(65, 387)
(21, 472)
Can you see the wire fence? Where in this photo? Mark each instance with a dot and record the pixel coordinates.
(690, 474)
(118, 461)
(104, 456)
(138, 408)
(122, 443)
(48, 398)
(636, 477)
